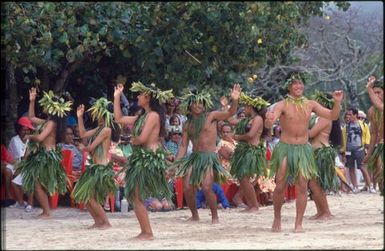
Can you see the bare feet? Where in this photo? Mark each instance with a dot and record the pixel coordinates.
(92, 226)
(314, 217)
(324, 217)
(250, 210)
(43, 216)
(104, 226)
(144, 237)
(193, 218)
(215, 221)
(299, 229)
(276, 225)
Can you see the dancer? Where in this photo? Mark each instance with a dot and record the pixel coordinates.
(293, 154)
(202, 166)
(375, 154)
(321, 133)
(41, 169)
(145, 175)
(249, 159)
(98, 180)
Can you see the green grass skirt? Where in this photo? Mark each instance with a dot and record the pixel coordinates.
(200, 162)
(146, 169)
(378, 151)
(44, 167)
(327, 176)
(300, 160)
(97, 181)
(248, 160)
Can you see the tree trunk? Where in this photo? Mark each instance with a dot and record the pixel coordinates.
(11, 102)
(351, 88)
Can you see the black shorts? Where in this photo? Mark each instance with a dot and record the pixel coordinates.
(356, 155)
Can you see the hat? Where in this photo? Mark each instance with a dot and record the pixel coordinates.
(24, 121)
(361, 114)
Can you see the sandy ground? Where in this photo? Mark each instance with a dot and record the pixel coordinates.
(358, 224)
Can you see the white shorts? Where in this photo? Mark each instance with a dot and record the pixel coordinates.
(339, 164)
(11, 167)
(18, 180)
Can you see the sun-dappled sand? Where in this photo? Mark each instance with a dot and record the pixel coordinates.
(358, 224)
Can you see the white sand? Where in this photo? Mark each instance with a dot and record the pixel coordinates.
(358, 224)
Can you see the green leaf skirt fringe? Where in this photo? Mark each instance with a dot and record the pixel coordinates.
(378, 151)
(44, 167)
(327, 176)
(200, 162)
(146, 169)
(300, 160)
(97, 181)
(248, 160)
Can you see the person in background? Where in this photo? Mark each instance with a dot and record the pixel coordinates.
(17, 148)
(69, 144)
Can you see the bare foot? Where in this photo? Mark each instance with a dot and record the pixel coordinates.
(314, 217)
(215, 221)
(104, 226)
(43, 216)
(144, 237)
(324, 217)
(299, 229)
(250, 210)
(276, 226)
(92, 226)
(193, 218)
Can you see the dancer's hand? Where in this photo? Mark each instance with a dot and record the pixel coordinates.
(235, 92)
(32, 94)
(80, 111)
(338, 96)
(118, 90)
(371, 81)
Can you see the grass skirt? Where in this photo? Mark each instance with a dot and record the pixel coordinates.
(377, 152)
(327, 176)
(146, 169)
(300, 160)
(97, 181)
(44, 167)
(248, 160)
(200, 162)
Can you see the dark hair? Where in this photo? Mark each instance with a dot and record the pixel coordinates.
(262, 113)
(175, 117)
(161, 110)
(335, 135)
(354, 110)
(61, 126)
(115, 132)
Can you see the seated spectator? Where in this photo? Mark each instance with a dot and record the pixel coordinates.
(6, 159)
(221, 198)
(17, 148)
(173, 142)
(156, 205)
(69, 144)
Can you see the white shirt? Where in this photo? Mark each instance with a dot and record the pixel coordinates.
(17, 148)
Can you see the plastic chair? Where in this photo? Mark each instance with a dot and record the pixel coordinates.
(67, 165)
(179, 192)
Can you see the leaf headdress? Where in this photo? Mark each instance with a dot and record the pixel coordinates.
(155, 92)
(293, 77)
(191, 98)
(100, 110)
(54, 105)
(323, 99)
(258, 102)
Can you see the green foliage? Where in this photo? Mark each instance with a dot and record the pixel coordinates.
(175, 44)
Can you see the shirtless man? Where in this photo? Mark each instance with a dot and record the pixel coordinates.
(375, 154)
(202, 166)
(322, 133)
(42, 146)
(293, 155)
